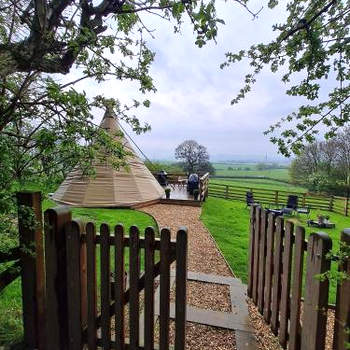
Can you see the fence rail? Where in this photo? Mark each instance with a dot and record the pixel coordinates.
(77, 321)
(8, 275)
(336, 204)
(276, 279)
(77, 283)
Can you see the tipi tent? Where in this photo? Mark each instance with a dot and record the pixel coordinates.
(109, 187)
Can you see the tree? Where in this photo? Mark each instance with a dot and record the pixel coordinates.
(310, 47)
(46, 125)
(194, 156)
(102, 39)
(324, 166)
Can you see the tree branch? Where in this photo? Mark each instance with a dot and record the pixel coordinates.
(303, 24)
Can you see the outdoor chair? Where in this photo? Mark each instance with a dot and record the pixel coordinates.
(292, 205)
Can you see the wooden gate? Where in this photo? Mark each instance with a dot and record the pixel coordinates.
(282, 264)
(100, 286)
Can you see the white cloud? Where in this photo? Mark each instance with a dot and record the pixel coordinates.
(193, 97)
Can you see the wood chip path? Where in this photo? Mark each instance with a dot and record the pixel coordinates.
(203, 257)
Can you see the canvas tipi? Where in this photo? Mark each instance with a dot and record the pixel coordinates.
(109, 187)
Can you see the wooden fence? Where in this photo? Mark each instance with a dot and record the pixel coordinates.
(77, 285)
(336, 204)
(276, 282)
(26, 261)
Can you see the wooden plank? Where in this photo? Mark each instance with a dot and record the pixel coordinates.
(140, 287)
(126, 242)
(285, 293)
(119, 286)
(105, 286)
(245, 340)
(203, 277)
(56, 277)
(346, 206)
(32, 268)
(262, 259)
(269, 266)
(256, 253)
(181, 277)
(276, 287)
(10, 274)
(72, 231)
(149, 289)
(226, 320)
(316, 292)
(164, 289)
(91, 286)
(83, 281)
(251, 251)
(342, 313)
(134, 274)
(12, 254)
(295, 325)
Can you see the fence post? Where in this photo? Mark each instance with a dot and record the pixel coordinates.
(226, 192)
(346, 206)
(56, 277)
(251, 251)
(304, 200)
(276, 197)
(331, 202)
(181, 277)
(32, 268)
(262, 260)
(256, 247)
(342, 313)
(316, 292)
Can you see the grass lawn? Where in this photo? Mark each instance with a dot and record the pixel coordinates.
(260, 183)
(11, 297)
(249, 169)
(228, 222)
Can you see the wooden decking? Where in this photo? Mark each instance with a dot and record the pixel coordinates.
(180, 196)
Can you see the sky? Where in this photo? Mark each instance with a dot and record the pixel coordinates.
(193, 94)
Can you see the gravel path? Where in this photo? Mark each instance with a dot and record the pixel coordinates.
(203, 256)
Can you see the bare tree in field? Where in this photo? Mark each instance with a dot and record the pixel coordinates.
(192, 154)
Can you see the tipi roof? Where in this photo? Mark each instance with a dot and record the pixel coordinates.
(110, 187)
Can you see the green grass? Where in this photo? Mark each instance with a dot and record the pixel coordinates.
(260, 183)
(11, 296)
(249, 169)
(11, 328)
(228, 222)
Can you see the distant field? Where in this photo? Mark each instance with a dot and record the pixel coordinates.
(260, 183)
(249, 169)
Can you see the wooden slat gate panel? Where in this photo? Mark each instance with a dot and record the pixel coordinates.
(342, 313)
(94, 310)
(276, 279)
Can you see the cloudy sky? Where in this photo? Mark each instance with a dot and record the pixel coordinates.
(193, 95)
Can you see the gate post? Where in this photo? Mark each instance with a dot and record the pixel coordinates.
(342, 313)
(32, 268)
(56, 277)
(316, 292)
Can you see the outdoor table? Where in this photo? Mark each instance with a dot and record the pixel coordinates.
(326, 224)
